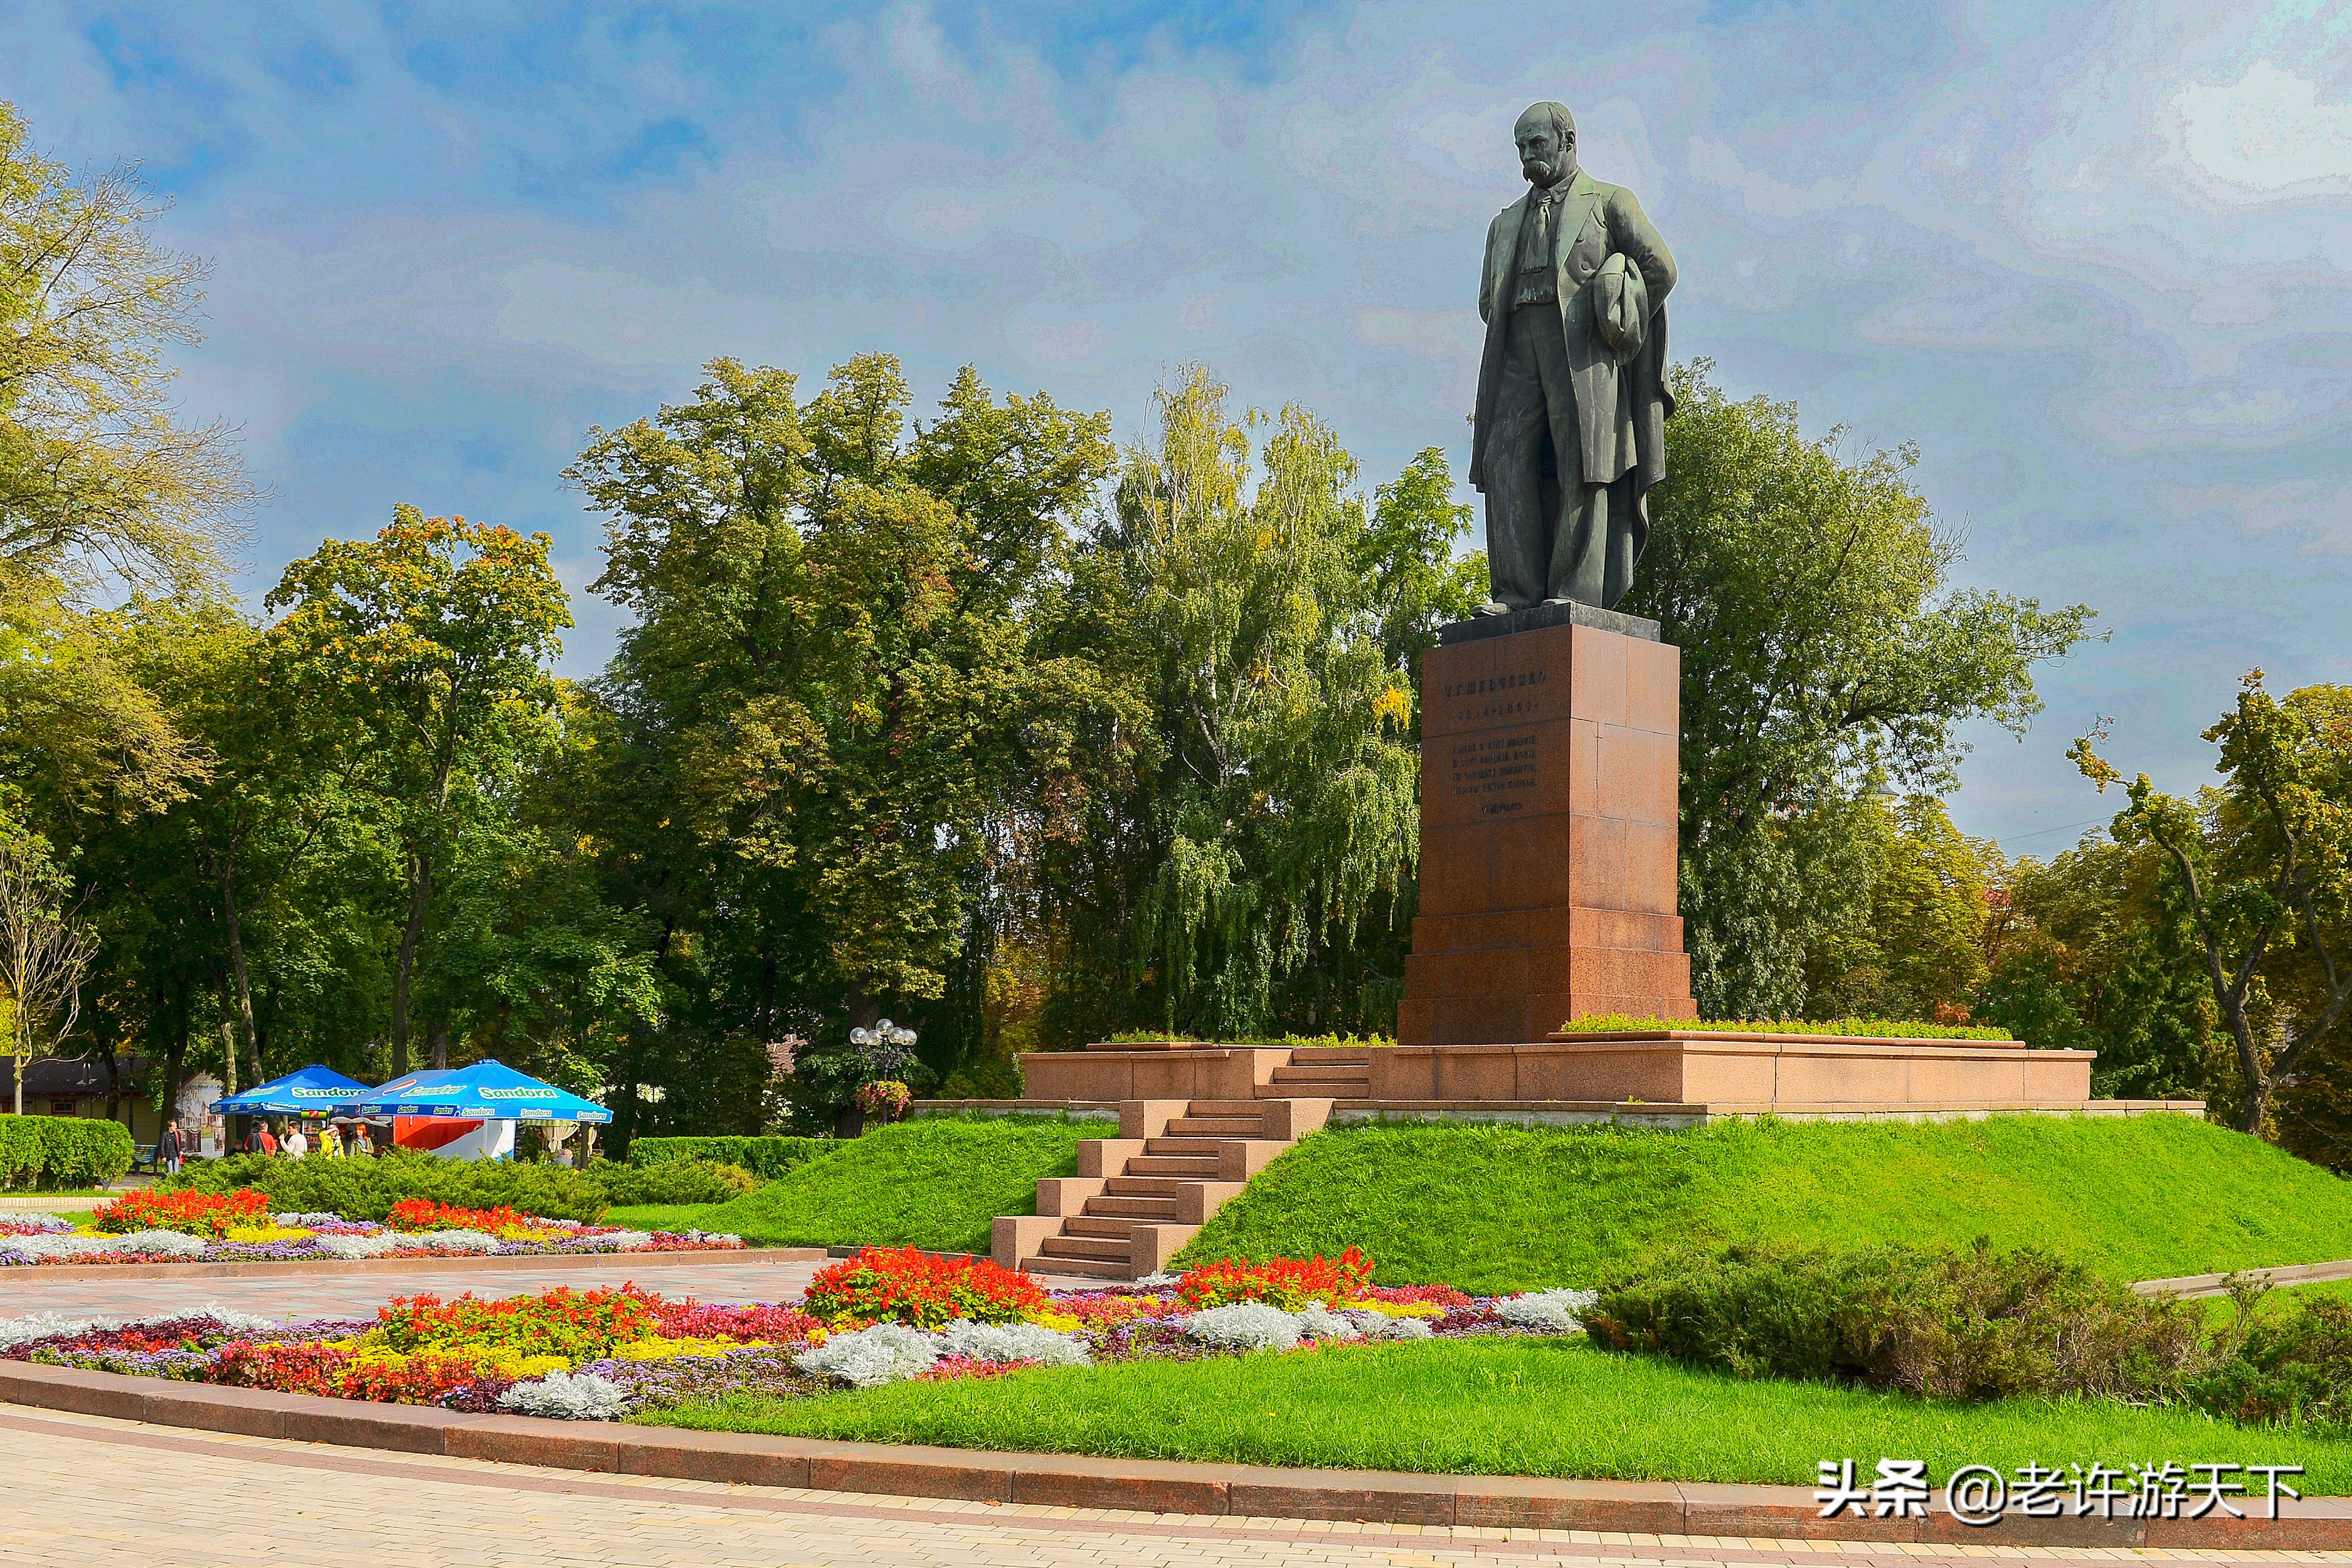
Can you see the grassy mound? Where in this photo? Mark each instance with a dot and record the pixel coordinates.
(934, 1183)
(1529, 1407)
(1492, 1208)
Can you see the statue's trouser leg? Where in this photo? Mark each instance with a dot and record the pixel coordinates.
(1518, 533)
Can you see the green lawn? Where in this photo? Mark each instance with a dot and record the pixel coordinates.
(1536, 1407)
(934, 1183)
(1492, 1208)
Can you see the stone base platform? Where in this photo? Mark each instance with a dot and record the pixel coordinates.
(1765, 1072)
(1718, 1072)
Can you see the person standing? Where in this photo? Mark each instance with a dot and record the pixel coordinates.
(170, 1149)
(298, 1142)
(269, 1139)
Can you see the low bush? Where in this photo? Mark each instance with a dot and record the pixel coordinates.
(49, 1153)
(367, 1188)
(765, 1158)
(2290, 1369)
(907, 1286)
(1970, 1324)
(688, 1181)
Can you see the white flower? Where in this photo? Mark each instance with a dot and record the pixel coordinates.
(1158, 1282)
(48, 1325)
(568, 1396)
(883, 1354)
(1244, 1325)
(150, 1243)
(1380, 1326)
(1557, 1311)
(460, 1241)
(630, 1241)
(1317, 1322)
(1002, 1342)
(355, 1247)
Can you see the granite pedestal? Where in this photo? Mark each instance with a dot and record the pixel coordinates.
(1549, 775)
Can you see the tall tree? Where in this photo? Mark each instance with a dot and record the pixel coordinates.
(101, 487)
(835, 715)
(2264, 865)
(1823, 649)
(45, 947)
(435, 635)
(1273, 810)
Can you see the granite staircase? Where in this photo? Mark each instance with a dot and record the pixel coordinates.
(1139, 1197)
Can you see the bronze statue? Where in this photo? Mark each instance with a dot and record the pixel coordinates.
(1572, 399)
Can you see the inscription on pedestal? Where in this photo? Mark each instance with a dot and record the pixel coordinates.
(1500, 769)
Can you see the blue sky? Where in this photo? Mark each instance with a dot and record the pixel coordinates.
(2093, 258)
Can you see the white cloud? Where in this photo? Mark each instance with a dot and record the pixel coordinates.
(2266, 135)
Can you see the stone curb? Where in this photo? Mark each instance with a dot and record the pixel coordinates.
(1148, 1486)
(459, 1261)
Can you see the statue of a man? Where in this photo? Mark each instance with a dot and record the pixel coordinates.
(1572, 399)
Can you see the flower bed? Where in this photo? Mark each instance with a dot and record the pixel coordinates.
(236, 1228)
(882, 1317)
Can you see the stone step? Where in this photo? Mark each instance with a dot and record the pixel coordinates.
(1303, 1072)
(1194, 1146)
(1351, 1088)
(1133, 1208)
(1090, 1225)
(1216, 1127)
(1222, 1109)
(1142, 1186)
(1101, 1269)
(1350, 1055)
(1203, 1166)
(1111, 1248)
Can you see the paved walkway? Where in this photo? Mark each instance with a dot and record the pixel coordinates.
(78, 1490)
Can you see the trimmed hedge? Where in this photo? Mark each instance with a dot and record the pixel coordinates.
(367, 1188)
(671, 1182)
(1949, 1323)
(766, 1158)
(47, 1152)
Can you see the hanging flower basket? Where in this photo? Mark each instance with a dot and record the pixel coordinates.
(887, 1099)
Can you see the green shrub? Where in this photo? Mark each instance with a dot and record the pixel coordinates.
(1872, 1028)
(2291, 1369)
(1973, 1324)
(47, 1152)
(671, 1182)
(367, 1188)
(765, 1158)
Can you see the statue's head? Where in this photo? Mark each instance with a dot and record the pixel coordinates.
(1547, 137)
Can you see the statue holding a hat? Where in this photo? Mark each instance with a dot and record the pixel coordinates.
(1570, 421)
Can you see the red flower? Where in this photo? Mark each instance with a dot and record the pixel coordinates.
(910, 1285)
(1285, 1282)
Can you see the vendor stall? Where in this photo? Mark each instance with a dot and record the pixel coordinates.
(469, 1112)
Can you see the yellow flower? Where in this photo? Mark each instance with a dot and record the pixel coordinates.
(1061, 1323)
(656, 1348)
(266, 1233)
(1400, 1308)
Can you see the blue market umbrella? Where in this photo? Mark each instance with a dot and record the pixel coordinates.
(486, 1091)
(315, 1090)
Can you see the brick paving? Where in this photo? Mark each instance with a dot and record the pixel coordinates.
(79, 1490)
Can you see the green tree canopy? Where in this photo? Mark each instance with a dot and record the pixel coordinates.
(1823, 649)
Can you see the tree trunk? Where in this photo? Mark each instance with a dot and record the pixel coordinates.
(175, 1064)
(420, 892)
(440, 1038)
(244, 986)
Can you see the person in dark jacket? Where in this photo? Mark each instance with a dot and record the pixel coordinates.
(170, 1149)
